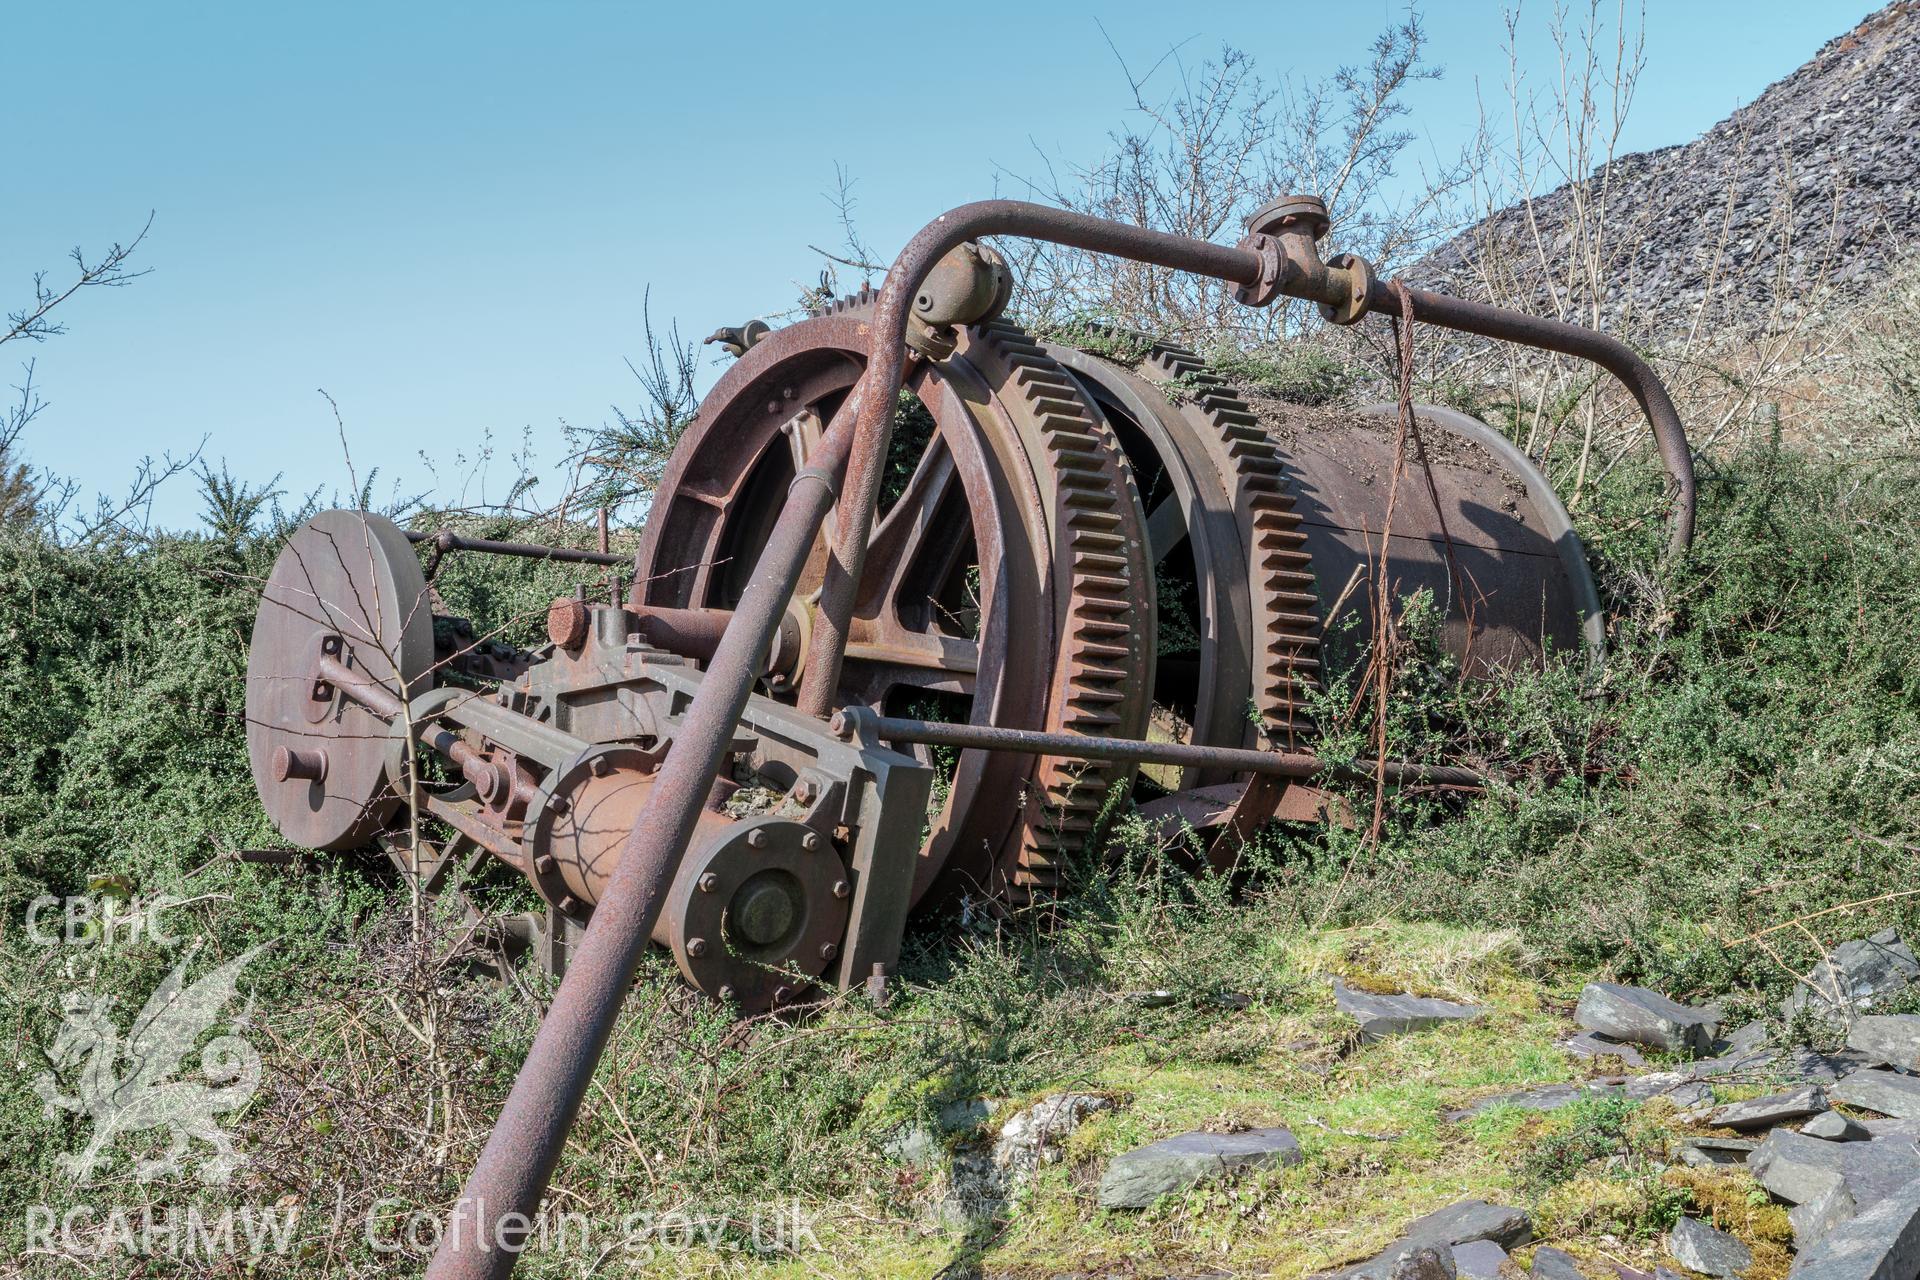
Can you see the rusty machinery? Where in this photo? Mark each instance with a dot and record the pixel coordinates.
(1064, 569)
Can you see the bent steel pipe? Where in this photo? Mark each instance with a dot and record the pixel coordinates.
(1240, 266)
(493, 1216)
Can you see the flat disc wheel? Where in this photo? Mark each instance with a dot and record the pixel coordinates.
(997, 586)
(347, 586)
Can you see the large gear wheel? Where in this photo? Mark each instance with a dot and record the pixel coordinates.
(1003, 581)
(1226, 545)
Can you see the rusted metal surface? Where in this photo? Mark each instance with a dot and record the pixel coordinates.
(1279, 764)
(446, 540)
(967, 597)
(1014, 584)
(1611, 354)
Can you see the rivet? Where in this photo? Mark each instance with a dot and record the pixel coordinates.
(696, 947)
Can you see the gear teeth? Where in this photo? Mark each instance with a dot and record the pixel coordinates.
(865, 298)
(1286, 617)
(1101, 677)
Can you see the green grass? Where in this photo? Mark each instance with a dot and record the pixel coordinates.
(1746, 759)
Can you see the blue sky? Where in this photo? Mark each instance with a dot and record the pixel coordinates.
(447, 215)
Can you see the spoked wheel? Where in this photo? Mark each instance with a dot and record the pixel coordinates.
(1004, 575)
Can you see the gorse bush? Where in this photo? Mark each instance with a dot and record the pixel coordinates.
(1743, 758)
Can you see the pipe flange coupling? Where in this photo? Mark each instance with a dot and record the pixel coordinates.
(1266, 290)
(1355, 273)
(1308, 213)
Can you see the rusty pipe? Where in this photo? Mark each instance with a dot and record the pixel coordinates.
(487, 777)
(446, 540)
(1611, 354)
(1248, 268)
(1281, 764)
(483, 1238)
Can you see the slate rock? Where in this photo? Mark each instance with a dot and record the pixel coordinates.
(1809, 1064)
(1881, 1243)
(1748, 1039)
(1800, 1170)
(1550, 1097)
(1706, 1250)
(1862, 974)
(1471, 1220)
(1425, 1262)
(1138, 1178)
(1813, 1220)
(1882, 1091)
(1890, 1038)
(1796, 1168)
(1550, 1263)
(1646, 1017)
(1480, 1259)
(1702, 1152)
(1591, 1044)
(1381, 1016)
(1764, 1113)
(1835, 1127)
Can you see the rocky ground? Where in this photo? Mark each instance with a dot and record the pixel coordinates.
(1808, 186)
(1475, 1128)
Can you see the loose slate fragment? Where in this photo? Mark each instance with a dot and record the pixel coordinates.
(1882, 1243)
(1764, 1113)
(1835, 1127)
(1646, 1017)
(1138, 1178)
(1882, 1091)
(1472, 1220)
(1381, 1016)
(1891, 1038)
(1707, 1250)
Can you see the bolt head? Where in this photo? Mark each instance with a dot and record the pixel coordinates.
(810, 841)
(828, 950)
(696, 947)
(725, 992)
(708, 883)
(781, 995)
(841, 888)
(757, 838)
(601, 766)
(804, 792)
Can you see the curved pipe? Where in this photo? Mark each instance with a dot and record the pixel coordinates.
(490, 1221)
(1611, 354)
(886, 365)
